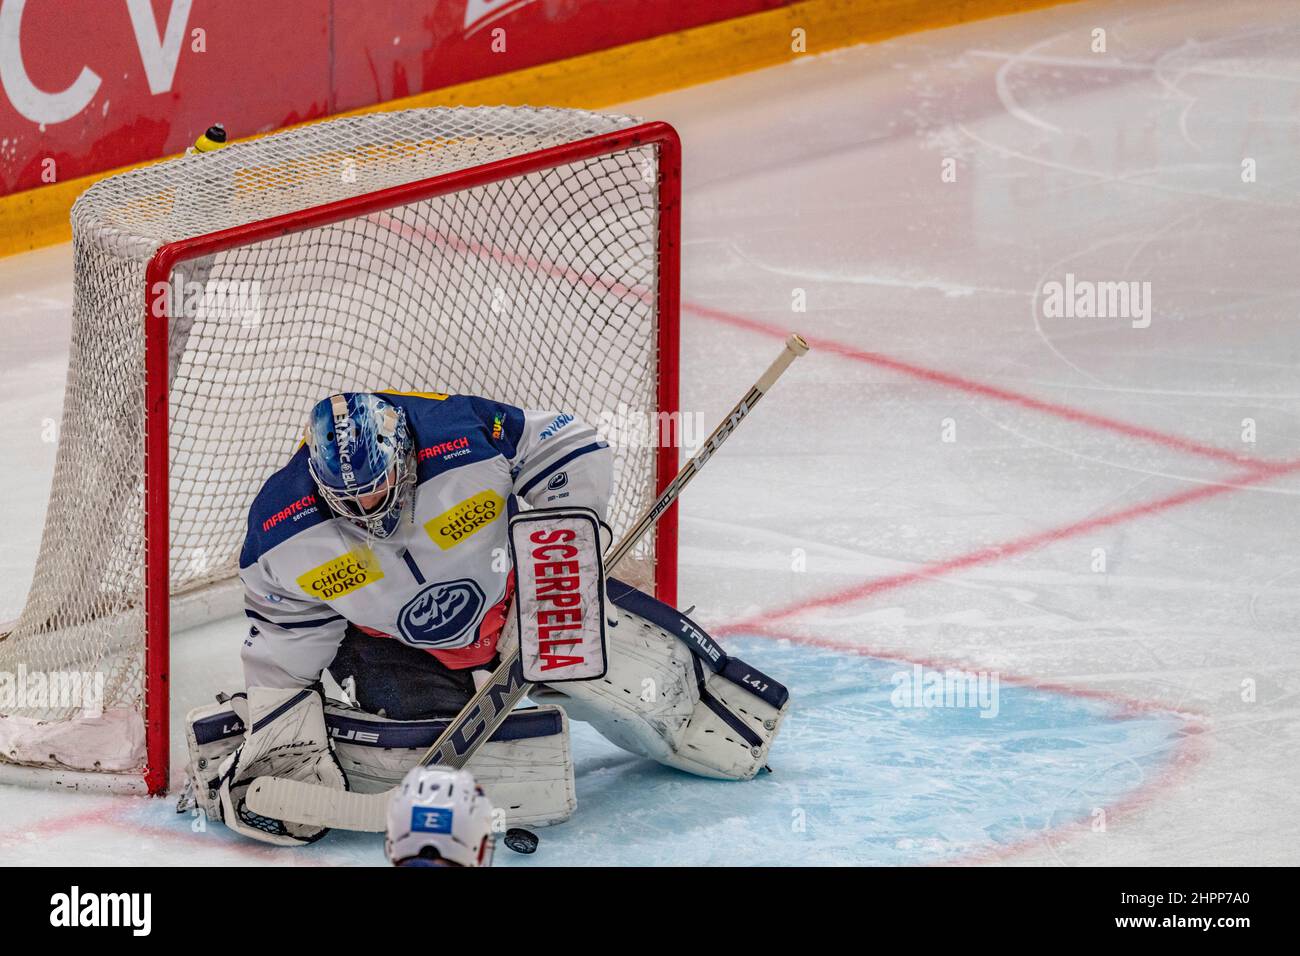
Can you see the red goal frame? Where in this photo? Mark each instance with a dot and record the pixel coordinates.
(157, 612)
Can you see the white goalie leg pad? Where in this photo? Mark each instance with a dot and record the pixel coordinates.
(212, 733)
(526, 768)
(673, 695)
(286, 738)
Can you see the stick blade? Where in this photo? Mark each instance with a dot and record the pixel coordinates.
(302, 802)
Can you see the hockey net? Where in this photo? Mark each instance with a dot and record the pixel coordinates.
(524, 254)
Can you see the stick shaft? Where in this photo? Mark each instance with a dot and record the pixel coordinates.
(794, 347)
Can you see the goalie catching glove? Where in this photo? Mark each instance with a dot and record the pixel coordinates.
(286, 738)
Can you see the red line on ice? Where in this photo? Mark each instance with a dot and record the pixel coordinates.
(972, 387)
(602, 285)
(118, 812)
(1014, 547)
(1190, 749)
(1188, 753)
(53, 826)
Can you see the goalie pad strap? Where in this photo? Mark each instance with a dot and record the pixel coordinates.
(726, 716)
(281, 710)
(705, 649)
(421, 734)
(215, 724)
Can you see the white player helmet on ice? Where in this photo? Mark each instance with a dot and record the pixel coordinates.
(439, 817)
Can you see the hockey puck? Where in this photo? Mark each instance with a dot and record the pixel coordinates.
(521, 840)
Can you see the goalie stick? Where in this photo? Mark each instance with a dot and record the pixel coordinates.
(302, 802)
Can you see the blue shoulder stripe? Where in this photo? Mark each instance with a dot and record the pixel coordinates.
(453, 431)
(504, 423)
(286, 506)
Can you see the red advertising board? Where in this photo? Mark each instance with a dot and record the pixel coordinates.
(89, 85)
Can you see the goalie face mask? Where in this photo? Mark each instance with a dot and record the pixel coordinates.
(360, 456)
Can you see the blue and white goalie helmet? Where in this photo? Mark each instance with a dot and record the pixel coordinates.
(360, 456)
(439, 817)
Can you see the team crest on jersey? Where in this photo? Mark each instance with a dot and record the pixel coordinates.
(442, 614)
(464, 519)
(340, 576)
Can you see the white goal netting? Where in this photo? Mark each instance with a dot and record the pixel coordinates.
(540, 289)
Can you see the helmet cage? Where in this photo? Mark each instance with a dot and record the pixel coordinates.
(381, 519)
(348, 503)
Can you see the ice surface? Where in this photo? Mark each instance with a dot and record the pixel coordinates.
(1147, 709)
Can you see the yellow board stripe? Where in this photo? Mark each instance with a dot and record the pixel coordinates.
(39, 217)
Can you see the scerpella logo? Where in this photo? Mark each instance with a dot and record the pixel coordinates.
(78, 909)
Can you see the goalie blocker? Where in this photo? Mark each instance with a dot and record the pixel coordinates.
(666, 691)
(559, 595)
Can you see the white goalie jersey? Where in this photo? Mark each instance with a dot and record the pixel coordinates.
(440, 582)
